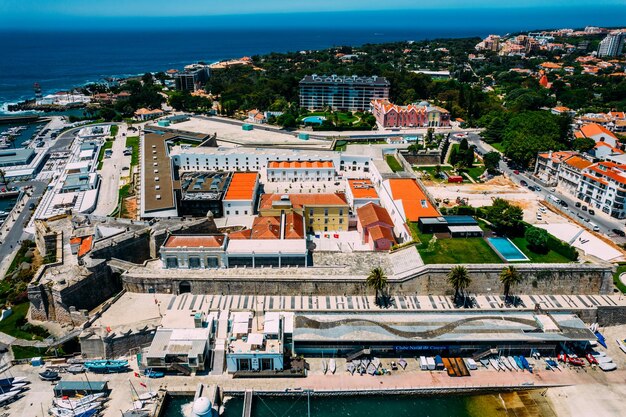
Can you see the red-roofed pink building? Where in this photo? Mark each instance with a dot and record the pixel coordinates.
(375, 226)
(422, 114)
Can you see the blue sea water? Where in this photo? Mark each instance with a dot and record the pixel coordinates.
(74, 53)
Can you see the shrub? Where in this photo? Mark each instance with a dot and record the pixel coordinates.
(537, 239)
(562, 248)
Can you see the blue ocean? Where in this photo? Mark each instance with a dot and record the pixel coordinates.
(75, 54)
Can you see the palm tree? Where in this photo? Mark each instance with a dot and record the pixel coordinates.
(377, 279)
(459, 279)
(3, 179)
(509, 277)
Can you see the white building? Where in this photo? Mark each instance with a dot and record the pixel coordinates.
(241, 196)
(360, 192)
(603, 185)
(292, 171)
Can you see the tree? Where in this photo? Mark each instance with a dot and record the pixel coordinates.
(583, 144)
(414, 148)
(3, 178)
(429, 134)
(463, 146)
(537, 239)
(377, 279)
(107, 114)
(509, 277)
(459, 279)
(506, 218)
(492, 162)
(494, 131)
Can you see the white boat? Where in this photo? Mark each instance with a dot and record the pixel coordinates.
(597, 354)
(504, 361)
(376, 362)
(621, 345)
(332, 366)
(371, 369)
(431, 363)
(513, 363)
(606, 367)
(495, 364)
(86, 410)
(8, 396)
(147, 395)
(350, 368)
(471, 364)
(18, 387)
(324, 366)
(604, 359)
(74, 404)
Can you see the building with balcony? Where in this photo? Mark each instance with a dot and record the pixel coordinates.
(603, 186)
(353, 93)
(422, 114)
(292, 171)
(612, 44)
(321, 212)
(548, 165)
(193, 78)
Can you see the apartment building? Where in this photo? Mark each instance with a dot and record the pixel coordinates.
(603, 185)
(240, 199)
(353, 93)
(422, 114)
(548, 165)
(571, 172)
(321, 212)
(612, 44)
(291, 171)
(193, 78)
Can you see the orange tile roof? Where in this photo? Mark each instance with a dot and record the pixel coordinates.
(300, 164)
(195, 241)
(85, 246)
(578, 162)
(304, 200)
(240, 234)
(379, 232)
(414, 201)
(373, 213)
(242, 186)
(362, 189)
(268, 227)
(606, 145)
(294, 226)
(75, 240)
(593, 129)
(616, 172)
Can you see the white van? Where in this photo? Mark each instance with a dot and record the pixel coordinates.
(554, 198)
(594, 227)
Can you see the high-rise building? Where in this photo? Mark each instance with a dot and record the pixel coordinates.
(193, 78)
(613, 44)
(351, 93)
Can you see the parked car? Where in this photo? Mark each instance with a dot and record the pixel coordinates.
(577, 204)
(619, 232)
(31, 206)
(584, 208)
(592, 212)
(523, 183)
(516, 172)
(563, 204)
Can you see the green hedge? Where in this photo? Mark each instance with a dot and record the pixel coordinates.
(562, 248)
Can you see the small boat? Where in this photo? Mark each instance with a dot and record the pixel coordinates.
(513, 363)
(48, 375)
(324, 366)
(495, 364)
(18, 387)
(526, 364)
(606, 367)
(597, 354)
(88, 410)
(135, 413)
(576, 361)
(371, 369)
(621, 345)
(147, 395)
(107, 365)
(519, 363)
(591, 359)
(154, 374)
(332, 366)
(402, 363)
(350, 368)
(376, 362)
(593, 327)
(8, 396)
(76, 369)
(75, 404)
(485, 362)
(604, 359)
(505, 362)
(601, 339)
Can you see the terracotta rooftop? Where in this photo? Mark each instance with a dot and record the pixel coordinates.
(195, 241)
(414, 201)
(379, 232)
(373, 213)
(362, 189)
(578, 162)
(242, 186)
(85, 246)
(304, 200)
(300, 164)
(593, 129)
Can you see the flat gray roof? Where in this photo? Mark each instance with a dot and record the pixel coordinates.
(446, 327)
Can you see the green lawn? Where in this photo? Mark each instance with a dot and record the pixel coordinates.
(11, 325)
(620, 269)
(114, 130)
(19, 257)
(393, 163)
(475, 172)
(498, 146)
(474, 250)
(432, 170)
(133, 141)
(107, 145)
(550, 257)
(27, 352)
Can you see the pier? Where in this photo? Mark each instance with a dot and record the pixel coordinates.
(19, 119)
(247, 403)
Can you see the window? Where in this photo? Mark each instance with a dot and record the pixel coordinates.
(236, 212)
(340, 221)
(341, 212)
(325, 212)
(171, 263)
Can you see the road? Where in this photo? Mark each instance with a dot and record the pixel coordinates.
(604, 221)
(110, 174)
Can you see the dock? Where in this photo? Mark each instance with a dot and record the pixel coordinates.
(247, 403)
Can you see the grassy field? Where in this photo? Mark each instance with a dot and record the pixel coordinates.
(393, 163)
(432, 170)
(550, 257)
(11, 325)
(114, 130)
(107, 145)
(620, 269)
(19, 257)
(27, 352)
(133, 141)
(474, 250)
(125, 191)
(498, 146)
(476, 171)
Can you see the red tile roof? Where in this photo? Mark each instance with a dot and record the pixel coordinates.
(414, 200)
(85, 246)
(362, 189)
(300, 164)
(379, 232)
(242, 186)
(195, 241)
(578, 162)
(304, 200)
(373, 213)
(593, 129)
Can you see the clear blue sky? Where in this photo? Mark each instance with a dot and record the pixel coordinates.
(29, 14)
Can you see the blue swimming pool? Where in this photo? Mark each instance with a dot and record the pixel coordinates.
(314, 119)
(506, 249)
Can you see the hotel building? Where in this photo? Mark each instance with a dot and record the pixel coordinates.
(351, 93)
(422, 114)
